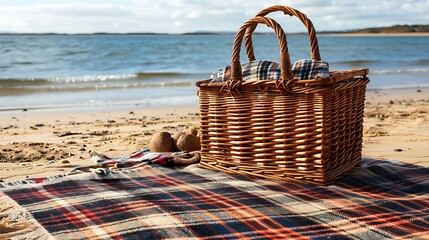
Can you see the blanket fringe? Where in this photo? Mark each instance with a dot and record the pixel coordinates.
(17, 223)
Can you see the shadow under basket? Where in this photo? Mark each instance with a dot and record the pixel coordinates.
(313, 135)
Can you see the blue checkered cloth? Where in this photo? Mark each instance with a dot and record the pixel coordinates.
(270, 70)
(310, 69)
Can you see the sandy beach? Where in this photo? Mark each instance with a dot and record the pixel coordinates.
(37, 143)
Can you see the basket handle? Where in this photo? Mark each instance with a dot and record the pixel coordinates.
(315, 54)
(285, 66)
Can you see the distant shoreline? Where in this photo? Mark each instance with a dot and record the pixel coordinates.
(328, 34)
(396, 30)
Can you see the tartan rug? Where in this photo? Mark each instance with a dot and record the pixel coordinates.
(382, 200)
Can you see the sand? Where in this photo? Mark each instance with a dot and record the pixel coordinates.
(396, 126)
(47, 143)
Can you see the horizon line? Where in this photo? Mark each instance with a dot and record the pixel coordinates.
(397, 29)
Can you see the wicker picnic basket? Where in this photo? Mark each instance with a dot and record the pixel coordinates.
(306, 130)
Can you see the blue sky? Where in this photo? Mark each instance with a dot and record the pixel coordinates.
(178, 16)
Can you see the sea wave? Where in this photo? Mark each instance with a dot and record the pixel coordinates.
(71, 53)
(367, 62)
(10, 82)
(116, 77)
(395, 71)
(22, 89)
(89, 78)
(160, 74)
(423, 62)
(398, 87)
(357, 62)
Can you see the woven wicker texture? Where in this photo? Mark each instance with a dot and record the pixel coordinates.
(315, 54)
(306, 130)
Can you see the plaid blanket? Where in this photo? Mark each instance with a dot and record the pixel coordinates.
(309, 69)
(270, 70)
(260, 70)
(383, 200)
(105, 164)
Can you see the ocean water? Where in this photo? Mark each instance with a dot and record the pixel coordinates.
(87, 71)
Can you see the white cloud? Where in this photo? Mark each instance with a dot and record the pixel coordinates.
(75, 17)
(176, 16)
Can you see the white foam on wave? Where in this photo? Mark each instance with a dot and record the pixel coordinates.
(393, 71)
(93, 78)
